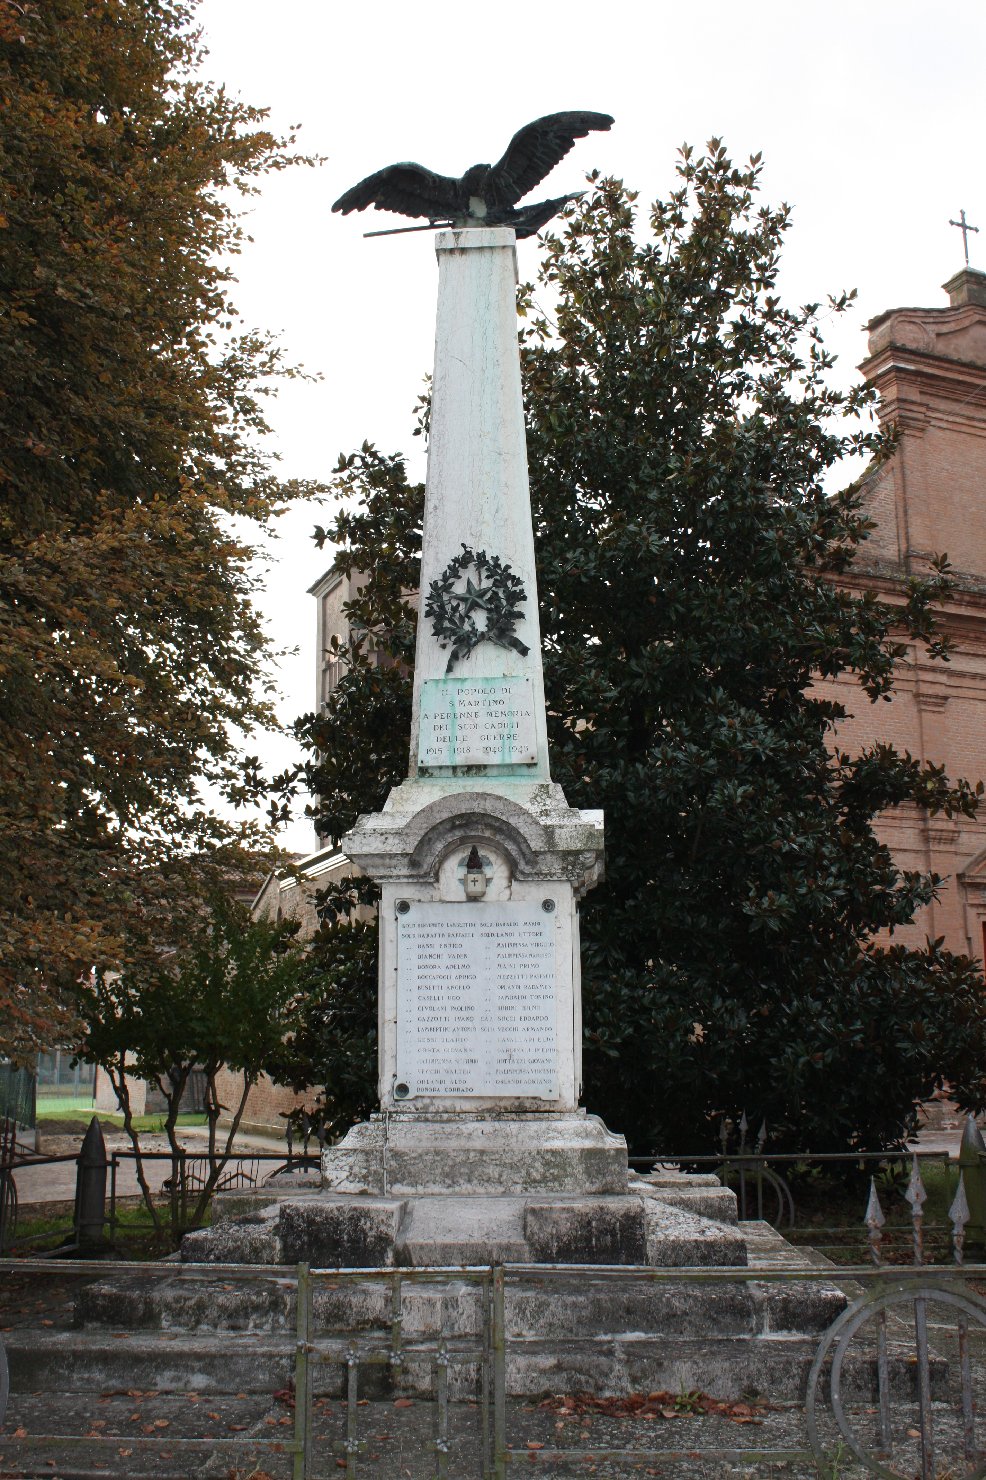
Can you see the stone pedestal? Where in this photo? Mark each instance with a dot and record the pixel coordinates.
(438, 1228)
(432, 1155)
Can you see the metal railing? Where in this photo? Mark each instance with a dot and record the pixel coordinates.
(240, 1172)
(917, 1406)
(773, 1186)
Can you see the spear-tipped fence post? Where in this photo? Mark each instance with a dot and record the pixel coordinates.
(875, 1220)
(917, 1196)
(959, 1216)
(874, 1224)
(972, 1170)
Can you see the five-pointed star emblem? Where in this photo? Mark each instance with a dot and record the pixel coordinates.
(475, 596)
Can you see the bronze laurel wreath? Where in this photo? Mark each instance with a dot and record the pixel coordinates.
(451, 611)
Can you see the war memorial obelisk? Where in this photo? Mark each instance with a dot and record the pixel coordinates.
(480, 1152)
(480, 860)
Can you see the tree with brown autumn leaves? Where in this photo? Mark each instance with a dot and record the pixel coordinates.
(131, 460)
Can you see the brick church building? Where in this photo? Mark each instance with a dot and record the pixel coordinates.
(929, 366)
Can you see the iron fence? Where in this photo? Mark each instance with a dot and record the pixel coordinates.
(777, 1187)
(18, 1091)
(240, 1172)
(895, 1382)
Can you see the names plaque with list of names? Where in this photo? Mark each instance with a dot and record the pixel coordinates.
(476, 1008)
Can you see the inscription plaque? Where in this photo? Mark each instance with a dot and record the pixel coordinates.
(476, 722)
(476, 1000)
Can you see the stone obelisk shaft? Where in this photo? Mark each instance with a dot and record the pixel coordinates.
(478, 493)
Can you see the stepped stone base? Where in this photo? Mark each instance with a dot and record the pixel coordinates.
(579, 1332)
(445, 1190)
(409, 1153)
(353, 1231)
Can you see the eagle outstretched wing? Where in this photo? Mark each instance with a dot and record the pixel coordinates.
(534, 151)
(407, 189)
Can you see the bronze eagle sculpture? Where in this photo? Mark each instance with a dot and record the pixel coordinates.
(486, 195)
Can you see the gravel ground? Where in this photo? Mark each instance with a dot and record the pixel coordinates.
(395, 1440)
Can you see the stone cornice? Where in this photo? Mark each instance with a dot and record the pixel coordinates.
(907, 378)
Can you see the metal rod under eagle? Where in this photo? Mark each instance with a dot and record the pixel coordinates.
(486, 195)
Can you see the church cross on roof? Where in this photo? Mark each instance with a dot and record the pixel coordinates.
(965, 228)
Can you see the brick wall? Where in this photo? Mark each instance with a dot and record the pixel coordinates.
(267, 1103)
(930, 368)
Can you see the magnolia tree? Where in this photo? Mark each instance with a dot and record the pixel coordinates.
(685, 438)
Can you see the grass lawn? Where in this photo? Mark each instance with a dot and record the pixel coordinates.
(66, 1117)
(133, 1237)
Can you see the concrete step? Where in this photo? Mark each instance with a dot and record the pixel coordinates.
(774, 1366)
(645, 1226)
(558, 1309)
(455, 1231)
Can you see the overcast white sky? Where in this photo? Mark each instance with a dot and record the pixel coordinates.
(869, 116)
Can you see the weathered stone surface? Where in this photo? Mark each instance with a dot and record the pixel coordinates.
(462, 1230)
(193, 1300)
(407, 1154)
(586, 1231)
(673, 1237)
(364, 1232)
(252, 1239)
(581, 1331)
(704, 1196)
(352, 1233)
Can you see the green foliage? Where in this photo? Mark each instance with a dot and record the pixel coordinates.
(378, 533)
(334, 1037)
(222, 996)
(681, 427)
(131, 425)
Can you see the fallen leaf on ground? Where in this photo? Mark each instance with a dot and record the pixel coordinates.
(20, 1433)
(403, 1402)
(654, 1405)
